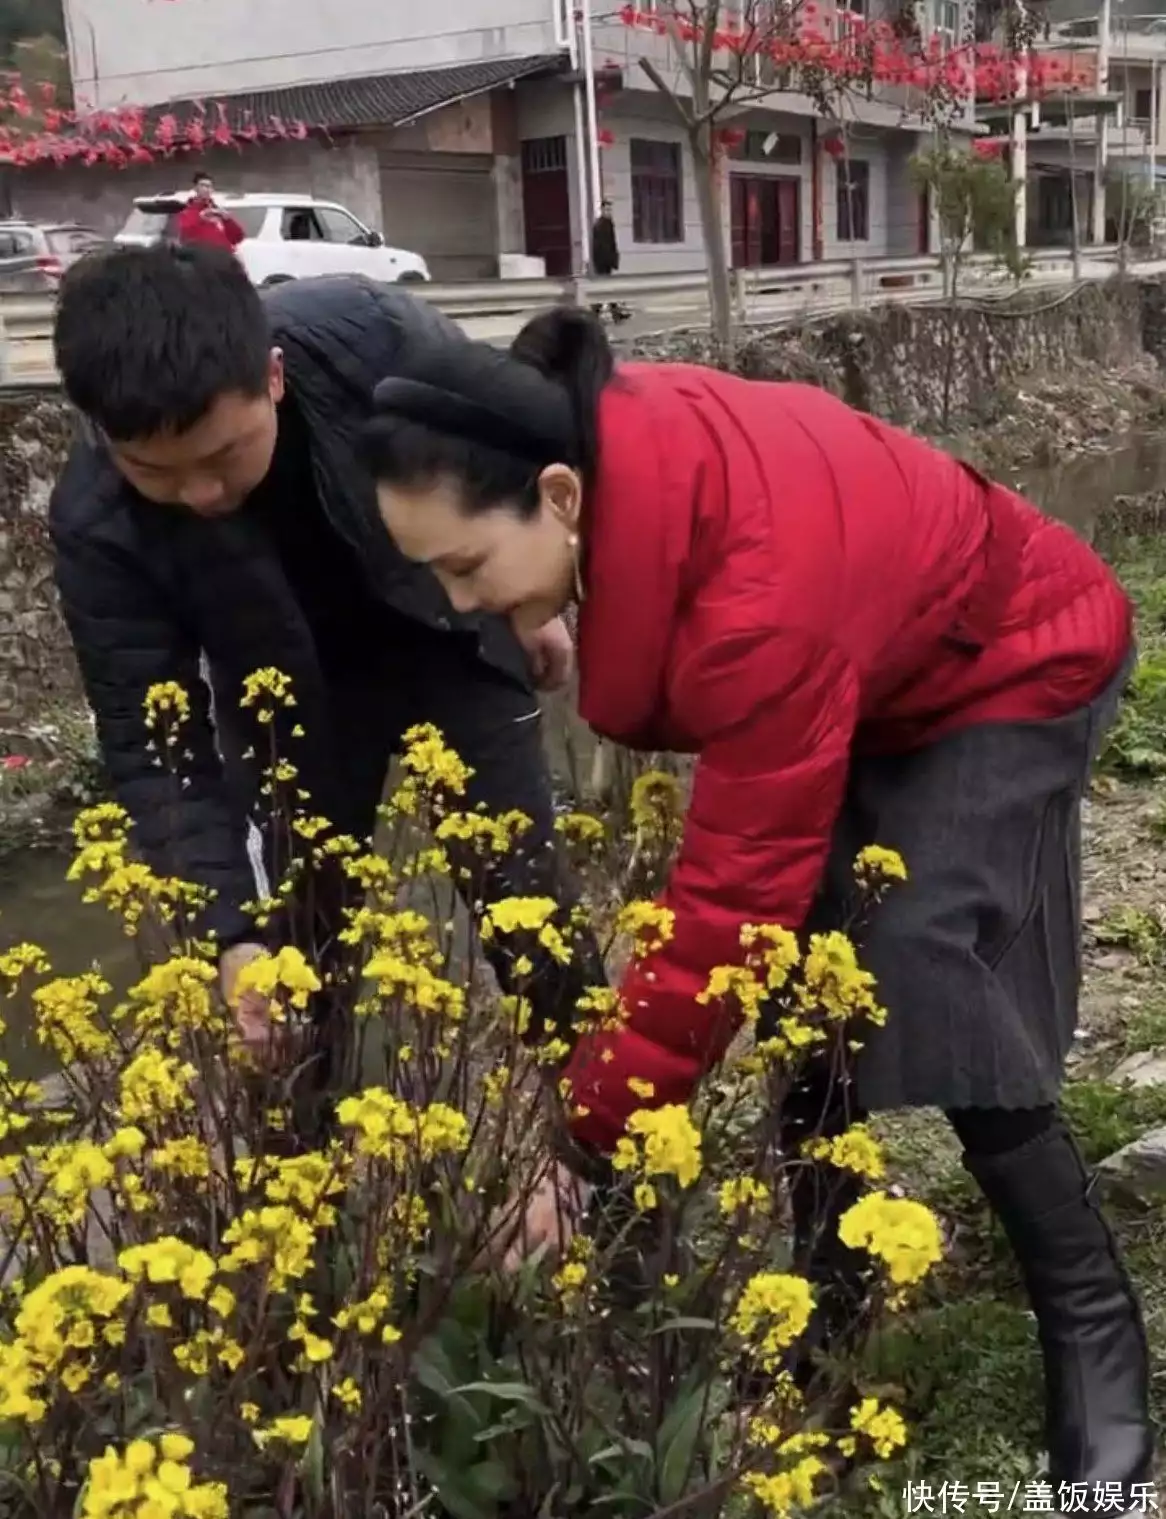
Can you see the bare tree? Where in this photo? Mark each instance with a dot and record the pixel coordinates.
(726, 64)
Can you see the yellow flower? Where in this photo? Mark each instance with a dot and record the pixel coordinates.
(772, 1312)
(348, 1394)
(856, 1150)
(285, 977)
(368, 1315)
(773, 951)
(786, 1492)
(265, 689)
(176, 993)
(167, 706)
(736, 983)
(291, 1429)
(389, 1129)
(486, 835)
(661, 1142)
(186, 1156)
(876, 866)
(154, 1086)
(740, 1194)
(648, 924)
(170, 1260)
(275, 1237)
(836, 982)
(416, 985)
(20, 961)
(514, 915)
(898, 1231)
(580, 828)
(431, 763)
(150, 1479)
(68, 1017)
(883, 1427)
(656, 806)
(570, 1279)
(69, 1311)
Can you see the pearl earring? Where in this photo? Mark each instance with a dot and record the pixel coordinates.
(573, 544)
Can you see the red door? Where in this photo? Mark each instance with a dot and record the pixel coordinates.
(788, 244)
(546, 203)
(765, 220)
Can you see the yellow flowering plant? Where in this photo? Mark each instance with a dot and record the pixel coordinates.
(241, 1286)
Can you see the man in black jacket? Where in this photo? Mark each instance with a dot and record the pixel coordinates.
(217, 514)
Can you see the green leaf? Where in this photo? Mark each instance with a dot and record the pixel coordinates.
(505, 1392)
(676, 1444)
(687, 1324)
(312, 1463)
(458, 1489)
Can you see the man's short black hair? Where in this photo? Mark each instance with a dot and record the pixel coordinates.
(200, 176)
(147, 339)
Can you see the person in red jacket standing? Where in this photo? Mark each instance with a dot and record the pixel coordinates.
(864, 641)
(202, 221)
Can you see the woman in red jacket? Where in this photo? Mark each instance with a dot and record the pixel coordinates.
(864, 641)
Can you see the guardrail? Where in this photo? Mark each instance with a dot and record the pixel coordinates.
(785, 290)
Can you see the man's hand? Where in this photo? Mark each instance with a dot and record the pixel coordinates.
(551, 654)
(251, 1011)
(551, 1217)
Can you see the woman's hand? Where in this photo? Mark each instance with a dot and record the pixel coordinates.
(551, 653)
(551, 1217)
(261, 1037)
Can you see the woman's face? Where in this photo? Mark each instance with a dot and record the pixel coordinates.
(495, 560)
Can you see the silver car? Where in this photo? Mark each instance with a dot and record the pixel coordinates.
(34, 255)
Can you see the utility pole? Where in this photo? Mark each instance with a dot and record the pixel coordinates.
(1104, 26)
(1018, 145)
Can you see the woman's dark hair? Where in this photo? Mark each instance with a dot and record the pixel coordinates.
(490, 420)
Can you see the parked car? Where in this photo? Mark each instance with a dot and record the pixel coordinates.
(288, 237)
(34, 255)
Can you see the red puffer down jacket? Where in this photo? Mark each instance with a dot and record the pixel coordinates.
(774, 582)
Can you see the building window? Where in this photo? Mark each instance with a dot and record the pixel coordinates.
(945, 27)
(853, 194)
(768, 148)
(657, 192)
(1143, 110)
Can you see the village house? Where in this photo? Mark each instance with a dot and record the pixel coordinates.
(483, 128)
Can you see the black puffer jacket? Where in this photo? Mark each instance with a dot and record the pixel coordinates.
(146, 589)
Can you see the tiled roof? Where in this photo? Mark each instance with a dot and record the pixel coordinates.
(375, 100)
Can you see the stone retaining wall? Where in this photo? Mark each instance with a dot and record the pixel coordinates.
(36, 662)
(892, 361)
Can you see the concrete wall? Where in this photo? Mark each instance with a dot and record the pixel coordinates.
(148, 50)
(37, 668)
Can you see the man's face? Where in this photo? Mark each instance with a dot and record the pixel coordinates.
(204, 188)
(214, 466)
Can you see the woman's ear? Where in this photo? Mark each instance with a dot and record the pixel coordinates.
(560, 491)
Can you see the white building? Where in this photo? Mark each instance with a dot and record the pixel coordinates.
(464, 129)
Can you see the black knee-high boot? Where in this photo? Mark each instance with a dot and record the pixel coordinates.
(1096, 1360)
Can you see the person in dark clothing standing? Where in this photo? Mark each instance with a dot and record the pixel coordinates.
(218, 515)
(605, 257)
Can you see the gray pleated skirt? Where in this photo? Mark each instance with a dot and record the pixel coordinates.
(978, 954)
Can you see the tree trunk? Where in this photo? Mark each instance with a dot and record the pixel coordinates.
(712, 227)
